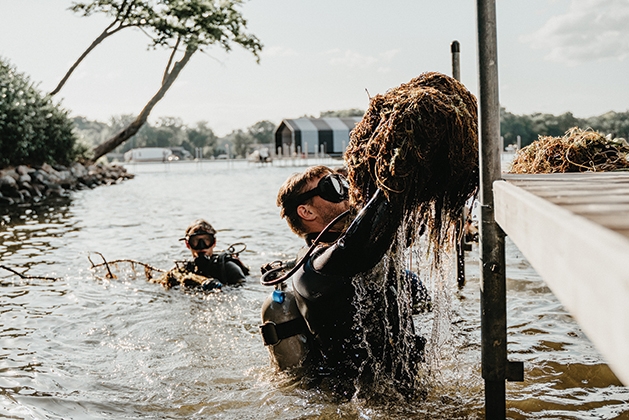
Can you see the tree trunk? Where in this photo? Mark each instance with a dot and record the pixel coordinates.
(97, 41)
(135, 126)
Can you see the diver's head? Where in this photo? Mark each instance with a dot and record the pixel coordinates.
(200, 238)
(312, 199)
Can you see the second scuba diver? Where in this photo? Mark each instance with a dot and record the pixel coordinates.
(207, 270)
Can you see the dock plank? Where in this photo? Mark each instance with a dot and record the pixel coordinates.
(574, 230)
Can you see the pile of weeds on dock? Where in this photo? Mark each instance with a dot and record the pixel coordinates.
(418, 143)
(577, 151)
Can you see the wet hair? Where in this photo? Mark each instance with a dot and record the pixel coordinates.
(292, 187)
(200, 226)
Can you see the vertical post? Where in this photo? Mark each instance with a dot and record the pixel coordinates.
(492, 256)
(455, 49)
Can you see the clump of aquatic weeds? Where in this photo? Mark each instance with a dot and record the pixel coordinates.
(577, 151)
(418, 143)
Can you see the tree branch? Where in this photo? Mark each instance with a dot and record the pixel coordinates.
(24, 276)
(105, 34)
(135, 126)
(170, 60)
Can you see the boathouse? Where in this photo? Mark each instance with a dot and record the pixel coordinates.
(314, 135)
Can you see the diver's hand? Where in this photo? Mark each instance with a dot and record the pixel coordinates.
(211, 284)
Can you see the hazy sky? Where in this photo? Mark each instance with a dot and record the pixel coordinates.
(554, 56)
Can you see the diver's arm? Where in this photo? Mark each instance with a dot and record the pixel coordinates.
(363, 244)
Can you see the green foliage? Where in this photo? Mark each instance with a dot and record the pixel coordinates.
(191, 23)
(201, 136)
(125, 13)
(614, 123)
(90, 133)
(33, 129)
(344, 113)
(530, 127)
(263, 132)
(202, 23)
(167, 132)
(241, 142)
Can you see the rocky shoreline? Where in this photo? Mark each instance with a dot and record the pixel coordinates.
(25, 184)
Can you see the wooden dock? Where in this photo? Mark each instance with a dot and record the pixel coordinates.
(574, 230)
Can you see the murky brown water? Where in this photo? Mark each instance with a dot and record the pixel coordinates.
(84, 347)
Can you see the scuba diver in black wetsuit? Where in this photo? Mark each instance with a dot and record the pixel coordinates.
(322, 304)
(207, 270)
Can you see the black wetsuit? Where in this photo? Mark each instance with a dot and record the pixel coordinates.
(224, 268)
(347, 343)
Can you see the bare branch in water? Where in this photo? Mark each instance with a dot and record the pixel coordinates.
(109, 275)
(105, 263)
(24, 276)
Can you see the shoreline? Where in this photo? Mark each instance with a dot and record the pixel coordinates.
(31, 184)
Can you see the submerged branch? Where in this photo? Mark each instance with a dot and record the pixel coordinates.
(24, 276)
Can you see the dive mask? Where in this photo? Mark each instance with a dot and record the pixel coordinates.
(332, 187)
(201, 241)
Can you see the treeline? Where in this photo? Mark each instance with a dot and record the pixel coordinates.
(172, 132)
(530, 127)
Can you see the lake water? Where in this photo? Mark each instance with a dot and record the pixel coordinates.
(85, 347)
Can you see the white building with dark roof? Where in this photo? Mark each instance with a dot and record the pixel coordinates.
(327, 135)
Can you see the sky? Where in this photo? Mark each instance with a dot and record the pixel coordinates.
(554, 56)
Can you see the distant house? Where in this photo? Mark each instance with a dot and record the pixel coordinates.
(314, 134)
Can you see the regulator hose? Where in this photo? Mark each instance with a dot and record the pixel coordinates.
(302, 260)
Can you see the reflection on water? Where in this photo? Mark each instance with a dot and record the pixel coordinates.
(86, 347)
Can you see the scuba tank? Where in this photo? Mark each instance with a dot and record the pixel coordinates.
(284, 330)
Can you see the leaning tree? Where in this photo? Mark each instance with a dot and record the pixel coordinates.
(181, 26)
(124, 14)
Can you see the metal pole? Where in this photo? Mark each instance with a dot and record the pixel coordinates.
(456, 63)
(495, 367)
(455, 49)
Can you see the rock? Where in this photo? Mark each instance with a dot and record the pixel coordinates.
(12, 173)
(38, 190)
(26, 184)
(17, 196)
(7, 182)
(24, 178)
(47, 168)
(23, 170)
(7, 201)
(78, 170)
(66, 179)
(26, 195)
(56, 191)
(40, 177)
